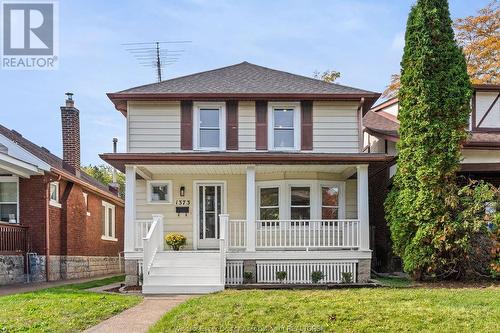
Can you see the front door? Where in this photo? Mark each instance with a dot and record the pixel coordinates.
(210, 205)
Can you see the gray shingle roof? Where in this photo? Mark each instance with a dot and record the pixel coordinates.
(45, 155)
(245, 78)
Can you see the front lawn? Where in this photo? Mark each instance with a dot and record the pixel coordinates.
(61, 309)
(349, 310)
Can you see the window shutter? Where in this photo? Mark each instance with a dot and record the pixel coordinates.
(186, 125)
(232, 125)
(261, 125)
(306, 125)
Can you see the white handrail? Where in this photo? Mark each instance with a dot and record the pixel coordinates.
(307, 233)
(153, 242)
(224, 221)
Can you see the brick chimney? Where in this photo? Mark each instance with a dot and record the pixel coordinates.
(71, 134)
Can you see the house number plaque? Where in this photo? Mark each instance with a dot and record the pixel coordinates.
(182, 206)
(183, 203)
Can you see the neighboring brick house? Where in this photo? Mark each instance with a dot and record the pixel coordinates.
(481, 158)
(59, 216)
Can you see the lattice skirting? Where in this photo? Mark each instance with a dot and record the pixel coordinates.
(298, 271)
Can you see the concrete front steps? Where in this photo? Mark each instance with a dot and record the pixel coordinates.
(184, 272)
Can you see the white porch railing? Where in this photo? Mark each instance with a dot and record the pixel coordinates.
(141, 230)
(307, 234)
(237, 237)
(153, 242)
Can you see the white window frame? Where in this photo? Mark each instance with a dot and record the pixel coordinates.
(197, 106)
(315, 199)
(52, 202)
(12, 179)
(86, 202)
(259, 206)
(109, 235)
(311, 200)
(149, 189)
(296, 125)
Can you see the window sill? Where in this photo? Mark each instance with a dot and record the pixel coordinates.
(111, 239)
(159, 202)
(55, 204)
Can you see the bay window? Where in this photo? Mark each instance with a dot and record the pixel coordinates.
(9, 199)
(300, 203)
(329, 202)
(269, 208)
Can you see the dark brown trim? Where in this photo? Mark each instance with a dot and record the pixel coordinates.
(489, 109)
(186, 125)
(477, 167)
(473, 116)
(119, 160)
(486, 87)
(232, 125)
(261, 125)
(306, 124)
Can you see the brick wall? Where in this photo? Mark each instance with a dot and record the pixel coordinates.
(73, 232)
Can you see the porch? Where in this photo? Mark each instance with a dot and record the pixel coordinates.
(241, 219)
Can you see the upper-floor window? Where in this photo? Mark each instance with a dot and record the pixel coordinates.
(54, 194)
(284, 126)
(209, 129)
(108, 221)
(9, 199)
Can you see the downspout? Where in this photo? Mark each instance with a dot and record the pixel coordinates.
(361, 136)
(47, 230)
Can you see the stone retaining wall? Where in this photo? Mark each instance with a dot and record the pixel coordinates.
(76, 267)
(11, 269)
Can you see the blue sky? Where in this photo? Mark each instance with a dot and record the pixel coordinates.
(363, 39)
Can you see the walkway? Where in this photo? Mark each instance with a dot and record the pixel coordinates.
(141, 317)
(26, 287)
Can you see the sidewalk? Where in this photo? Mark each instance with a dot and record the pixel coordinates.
(141, 317)
(26, 287)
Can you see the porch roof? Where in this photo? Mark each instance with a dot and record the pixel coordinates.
(10, 164)
(119, 160)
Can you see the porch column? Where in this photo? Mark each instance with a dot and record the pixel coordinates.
(130, 171)
(251, 201)
(363, 208)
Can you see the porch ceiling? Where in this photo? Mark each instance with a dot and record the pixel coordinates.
(239, 169)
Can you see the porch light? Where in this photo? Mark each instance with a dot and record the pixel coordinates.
(182, 191)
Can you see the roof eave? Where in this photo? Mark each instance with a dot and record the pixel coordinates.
(119, 160)
(120, 99)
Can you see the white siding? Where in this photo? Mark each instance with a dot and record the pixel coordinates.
(335, 127)
(483, 103)
(154, 127)
(351, 199)
(246, 126)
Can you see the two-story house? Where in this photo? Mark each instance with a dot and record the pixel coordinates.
(481, 156)
(261, 170)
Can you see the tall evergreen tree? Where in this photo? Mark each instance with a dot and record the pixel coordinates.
(434, 111)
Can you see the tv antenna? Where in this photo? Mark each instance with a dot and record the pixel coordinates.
(156, 54)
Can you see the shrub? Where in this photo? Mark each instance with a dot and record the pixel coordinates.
(346, 277)
(175, 241)
(247, 276)
(434, 100)
(281, 275)
(317, 276)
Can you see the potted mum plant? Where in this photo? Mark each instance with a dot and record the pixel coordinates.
(175, 241)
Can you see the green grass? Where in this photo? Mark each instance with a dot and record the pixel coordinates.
(394, 282)
(66, 308)
(348, 310)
